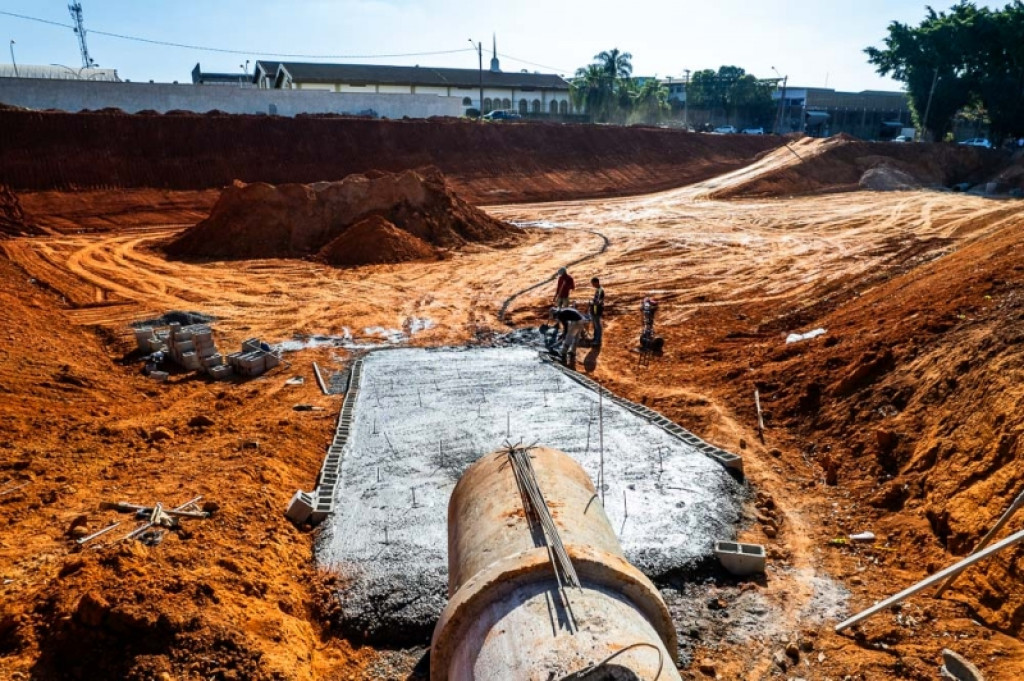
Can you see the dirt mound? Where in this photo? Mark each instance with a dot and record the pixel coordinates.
(13, 221)
(297, 220)
(374, 240)
(842, 163)
(886, 178)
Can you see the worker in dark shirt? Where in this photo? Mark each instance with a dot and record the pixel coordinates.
(573, 322)
(597, 309)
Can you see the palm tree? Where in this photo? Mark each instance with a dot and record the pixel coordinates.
(593, 92)
(616, 65)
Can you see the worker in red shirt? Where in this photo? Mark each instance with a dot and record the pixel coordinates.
(566, 285)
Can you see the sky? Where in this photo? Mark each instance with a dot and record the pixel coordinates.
(816, 43)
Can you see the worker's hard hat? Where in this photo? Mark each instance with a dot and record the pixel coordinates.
(562, 270)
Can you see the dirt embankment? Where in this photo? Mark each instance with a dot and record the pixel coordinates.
(363, 219)
(841, 163)
(486, 163)
(13, 221)
(913, 403)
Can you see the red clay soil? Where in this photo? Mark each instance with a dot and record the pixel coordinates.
(373, 241)
(486, 163)
(912, 402)
(908, 416)
(104, 210)
(13, 221)
(295, 220)
(209, 601)
(843, 163)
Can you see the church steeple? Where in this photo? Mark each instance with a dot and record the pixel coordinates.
(495, 68)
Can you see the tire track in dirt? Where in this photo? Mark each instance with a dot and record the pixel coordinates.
(605, 243)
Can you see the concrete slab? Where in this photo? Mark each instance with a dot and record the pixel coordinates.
(422, 416)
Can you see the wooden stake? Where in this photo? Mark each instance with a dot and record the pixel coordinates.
(760, 419)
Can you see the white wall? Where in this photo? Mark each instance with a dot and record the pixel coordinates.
(73, 95)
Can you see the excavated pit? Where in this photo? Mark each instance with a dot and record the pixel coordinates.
(423, 416)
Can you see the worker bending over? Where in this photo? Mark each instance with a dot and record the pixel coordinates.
(573, 322)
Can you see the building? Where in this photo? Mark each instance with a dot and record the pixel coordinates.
(240, 79)
(525, 92)
(870, 114)
(58, 72)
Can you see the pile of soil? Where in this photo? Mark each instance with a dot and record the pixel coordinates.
(363, 219)
(886, 178)
(374, 240)
(13, 221)
(844, 163)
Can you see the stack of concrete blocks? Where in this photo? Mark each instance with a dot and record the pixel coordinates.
(182, 347)
(150, 340)
(253, 359)
(190, 346)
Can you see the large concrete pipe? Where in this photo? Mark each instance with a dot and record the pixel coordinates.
(506, 618)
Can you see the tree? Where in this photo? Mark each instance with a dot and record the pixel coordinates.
(604, 88)
(649, 102)
(615, 64)
(998, 68)
(592, 92)
(940, 62)
(734, 92)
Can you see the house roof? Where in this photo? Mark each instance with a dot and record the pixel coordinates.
(268, 67)
(367, 74)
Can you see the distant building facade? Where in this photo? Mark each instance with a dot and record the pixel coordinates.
(240, 79)
(58, 72)
(870, 114)
(527, 93)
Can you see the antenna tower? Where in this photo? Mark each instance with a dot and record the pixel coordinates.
(76, 13)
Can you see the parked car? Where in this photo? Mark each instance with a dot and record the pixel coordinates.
(725, 130)
(902, 138)
(502, 115)
(753, 131)
(977, 142)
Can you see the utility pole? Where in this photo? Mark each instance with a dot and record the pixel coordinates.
(75, 9)
(928, 107)
(686, 101)
(13, 60)
(480, 53)
(780, 117)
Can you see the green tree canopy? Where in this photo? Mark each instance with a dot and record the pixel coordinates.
(964, 57)
(734, 92)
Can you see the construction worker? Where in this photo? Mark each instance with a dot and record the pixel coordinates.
(573, 322)
(597, 309)
(565, 287)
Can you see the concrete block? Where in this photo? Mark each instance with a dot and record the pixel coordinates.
(214, 360)
(271, 360)
(739, 559)
(300, 508)
(219, 373)
(251, 345)
(159, 376)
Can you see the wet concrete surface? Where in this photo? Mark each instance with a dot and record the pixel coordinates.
(423, 416)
